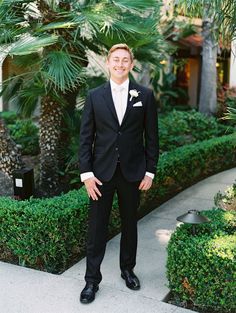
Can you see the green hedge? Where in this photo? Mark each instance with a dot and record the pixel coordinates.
(189, 127)
(201, 269)
(49, 234)
(46, 234)
(186, 165)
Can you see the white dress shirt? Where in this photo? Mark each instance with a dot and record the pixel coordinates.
(120, 98)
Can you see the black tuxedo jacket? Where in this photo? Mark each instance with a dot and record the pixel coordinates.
(103, 142)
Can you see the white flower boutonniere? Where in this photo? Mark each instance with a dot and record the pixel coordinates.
(133, 93)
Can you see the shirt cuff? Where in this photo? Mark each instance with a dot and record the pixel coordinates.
(151, 175)
(86, 175)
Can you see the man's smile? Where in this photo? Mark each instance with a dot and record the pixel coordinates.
(120, 70)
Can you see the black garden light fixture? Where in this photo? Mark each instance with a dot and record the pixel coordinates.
(23, 180)
(193, 217)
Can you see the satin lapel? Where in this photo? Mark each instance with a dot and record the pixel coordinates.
(129, 102)
(109, 100)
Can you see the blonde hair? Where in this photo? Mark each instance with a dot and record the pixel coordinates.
(121, 46)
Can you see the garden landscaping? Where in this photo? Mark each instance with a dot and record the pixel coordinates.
(201, 269)
(49, 234)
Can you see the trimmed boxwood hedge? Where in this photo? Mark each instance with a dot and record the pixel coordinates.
(186, 165)
(46, 234)
(42, 233)
(201, 269)
(49, 234)
(189, 127)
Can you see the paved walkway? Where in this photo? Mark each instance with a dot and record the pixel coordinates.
(24, 290)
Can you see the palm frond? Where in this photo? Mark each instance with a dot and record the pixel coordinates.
(222, 12)
(62, 70)
(11, 24)
(57, 25)
(230, 114)
(8, 35)
(30, 45)
(189, 8)
(92, 24)
(15, 2)
(53, 4)
(90, 19)
(23, 91)
(29, 96)
(10, 87)
(27, 62)
(137, 5)
(32, 11)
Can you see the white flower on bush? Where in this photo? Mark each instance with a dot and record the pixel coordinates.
(133, 93)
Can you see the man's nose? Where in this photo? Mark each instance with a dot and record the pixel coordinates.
(120, 64)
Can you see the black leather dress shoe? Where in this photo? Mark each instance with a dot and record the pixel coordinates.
(88, 293)
(131, 280)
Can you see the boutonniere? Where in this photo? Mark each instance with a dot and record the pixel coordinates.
(133, 93)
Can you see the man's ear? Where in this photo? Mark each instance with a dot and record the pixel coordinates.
(132, 65)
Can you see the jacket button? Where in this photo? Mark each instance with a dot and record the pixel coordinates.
(119, 133)
(116, 149)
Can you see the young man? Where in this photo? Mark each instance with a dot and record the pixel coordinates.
(118, 153)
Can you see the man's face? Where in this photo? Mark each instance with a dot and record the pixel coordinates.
(119, 65)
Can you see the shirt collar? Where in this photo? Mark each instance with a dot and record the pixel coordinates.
(115, 86)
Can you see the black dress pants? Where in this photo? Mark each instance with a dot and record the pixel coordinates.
(128, 200)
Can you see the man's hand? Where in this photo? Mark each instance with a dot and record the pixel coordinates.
(91, 187)
(146, 183)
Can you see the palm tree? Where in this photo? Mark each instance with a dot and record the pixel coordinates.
(10, 157)
(49, 39)
(208, 94)
(226, 18)
(205, 9)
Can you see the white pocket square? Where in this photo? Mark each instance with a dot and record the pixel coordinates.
(138, 104)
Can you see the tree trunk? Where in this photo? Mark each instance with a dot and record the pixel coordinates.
(70, 99)
(208, 91)
(50, 130)
(144, 76)
(10, 156)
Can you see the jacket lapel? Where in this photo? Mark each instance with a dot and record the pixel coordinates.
(109, 100)
(129, 102)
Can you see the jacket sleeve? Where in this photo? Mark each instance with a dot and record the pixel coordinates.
(87, 133)
(151, 134)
